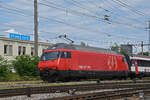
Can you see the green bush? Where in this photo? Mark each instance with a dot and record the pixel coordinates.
(26, 65)
(5, 72)
(28, 78)
(15, 77)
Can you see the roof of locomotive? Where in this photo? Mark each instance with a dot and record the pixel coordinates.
(81, 48)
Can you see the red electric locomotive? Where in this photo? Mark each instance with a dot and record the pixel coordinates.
(66, 62)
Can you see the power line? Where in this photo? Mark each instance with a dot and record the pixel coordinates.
(59, 7)
(77, 4)
(50, 19)
(98, 6)
(89, 30)
(99, 41)
(78, 27)
(111, 12)
(40, 31)
(130, 8)
(95, 17)
(15, 11)
(57, 34)
(15, 8)
(79, 13)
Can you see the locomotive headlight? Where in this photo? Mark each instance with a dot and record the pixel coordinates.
(40, 68)
(46, 66)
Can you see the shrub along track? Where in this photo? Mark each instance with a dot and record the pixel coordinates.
(65, 88)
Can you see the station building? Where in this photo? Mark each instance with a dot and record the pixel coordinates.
(11, 47)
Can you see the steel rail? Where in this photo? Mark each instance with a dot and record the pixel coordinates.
(107, 95)
(65, 88)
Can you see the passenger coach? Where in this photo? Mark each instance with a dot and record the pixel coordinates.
(141, 66)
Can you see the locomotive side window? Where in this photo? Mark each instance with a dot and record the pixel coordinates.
(65, 54)
(68, 54)
(143, 63)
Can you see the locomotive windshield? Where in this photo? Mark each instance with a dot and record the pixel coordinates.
(55, 55)
(49, 56)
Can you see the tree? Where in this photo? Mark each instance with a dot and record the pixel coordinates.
(4, 69)
(26, 65)
(83, 44)
(144, 53)
(115, 48)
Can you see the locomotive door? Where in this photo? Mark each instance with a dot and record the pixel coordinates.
(65, 60)
(135, 66)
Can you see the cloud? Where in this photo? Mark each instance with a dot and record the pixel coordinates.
(11, 31)
(94, 26)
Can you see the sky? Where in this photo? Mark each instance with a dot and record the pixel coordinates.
(82, 20)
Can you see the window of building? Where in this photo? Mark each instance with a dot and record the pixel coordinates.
(19, 50)
(8, 50)
(32, 51)
(5, 49)
(24, 51)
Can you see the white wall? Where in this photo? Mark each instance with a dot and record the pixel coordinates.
(15, 43)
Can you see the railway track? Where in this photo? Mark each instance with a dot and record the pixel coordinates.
(65, 88)
(107, 95)
(24, 84)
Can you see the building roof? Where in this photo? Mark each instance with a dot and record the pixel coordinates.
(24, 41)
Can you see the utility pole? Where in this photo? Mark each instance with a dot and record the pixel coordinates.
(35, 28)
(149, 37)
(142, 46)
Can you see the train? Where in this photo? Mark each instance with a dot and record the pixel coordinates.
(65, 62)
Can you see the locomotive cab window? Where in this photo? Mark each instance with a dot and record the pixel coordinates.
(65, 54)
(49, 56)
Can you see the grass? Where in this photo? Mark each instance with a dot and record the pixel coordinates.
(44, 85)
(37, 83)
(20, 82)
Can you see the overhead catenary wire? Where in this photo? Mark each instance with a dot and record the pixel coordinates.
(88, 9)
(15, 8)
(47, 19)
(56, 37)
(15, 11)
(31, 34)
(59, 7)
(79, 13)
(140, 12)
(99, 41)
(58, 21)
(121, 3)
(40, 31)
(77, 4)
(111, 12)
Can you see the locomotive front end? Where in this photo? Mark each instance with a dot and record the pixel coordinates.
(48, 64)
